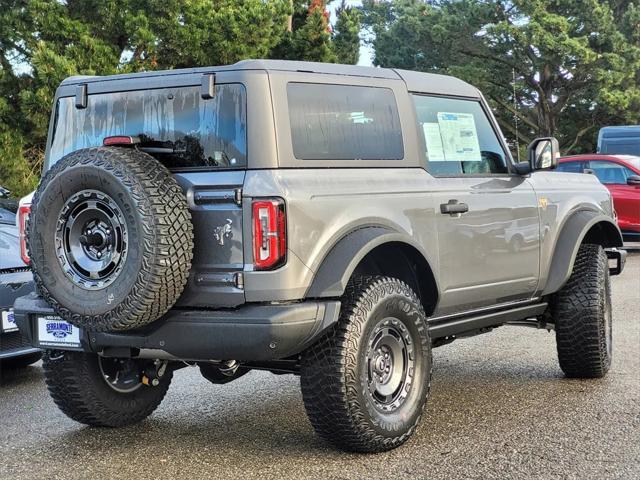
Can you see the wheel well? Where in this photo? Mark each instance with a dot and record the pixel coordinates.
(603, 233)
(406, 263)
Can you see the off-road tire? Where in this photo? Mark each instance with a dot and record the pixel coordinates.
(581, 311)
(78, 388)
(332, 379)
(20, 362)
(160, 238)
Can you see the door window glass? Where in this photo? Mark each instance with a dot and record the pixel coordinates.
(459, 138)
(571, 167)
(610, 173)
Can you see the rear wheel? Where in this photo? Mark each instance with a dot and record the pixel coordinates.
(583, 316)
(366, 382)
(105, 392)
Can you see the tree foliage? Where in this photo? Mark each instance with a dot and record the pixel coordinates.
(575, 64)
(347, 34)
(44, 41)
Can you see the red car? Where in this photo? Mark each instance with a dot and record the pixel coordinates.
(621, 175)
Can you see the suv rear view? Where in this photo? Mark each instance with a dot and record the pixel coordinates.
(331, 221)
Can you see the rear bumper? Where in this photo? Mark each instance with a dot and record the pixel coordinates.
(14, 344)
(257, 332)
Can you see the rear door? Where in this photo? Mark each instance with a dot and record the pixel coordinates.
(488, 224)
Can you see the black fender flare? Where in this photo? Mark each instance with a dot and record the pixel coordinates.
(569, 240)
(336, 268)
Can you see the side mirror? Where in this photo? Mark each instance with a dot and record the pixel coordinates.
(633, 180)
(4, 193)
(543, 153)
(522, 168)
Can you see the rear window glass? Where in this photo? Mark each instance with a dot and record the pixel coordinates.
(344, 122)
(175, 125)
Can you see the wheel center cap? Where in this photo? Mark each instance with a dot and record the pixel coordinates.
(380, 364)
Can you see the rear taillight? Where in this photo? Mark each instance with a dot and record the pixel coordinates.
(23, 217)
(269, 234)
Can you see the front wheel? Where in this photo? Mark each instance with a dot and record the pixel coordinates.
(582, 314)
(366, 382)
(104, 392)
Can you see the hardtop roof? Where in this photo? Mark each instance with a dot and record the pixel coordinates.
(415, 81)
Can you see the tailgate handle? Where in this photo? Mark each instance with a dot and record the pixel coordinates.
(453, 207)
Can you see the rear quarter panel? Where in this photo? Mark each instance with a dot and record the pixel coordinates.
(324, 205)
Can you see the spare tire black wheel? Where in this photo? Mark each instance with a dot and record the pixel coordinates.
(110, 239)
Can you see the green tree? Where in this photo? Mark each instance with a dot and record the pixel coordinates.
(346, 34)
(44, 41)
(576, 63)
(310, 35)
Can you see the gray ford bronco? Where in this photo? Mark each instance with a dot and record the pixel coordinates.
(334, 222)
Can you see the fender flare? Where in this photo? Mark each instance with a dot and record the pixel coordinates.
(569, 240)
(339, 264)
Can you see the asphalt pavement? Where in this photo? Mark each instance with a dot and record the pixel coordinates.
(499, 408)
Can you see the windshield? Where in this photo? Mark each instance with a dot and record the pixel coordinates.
(175, 125)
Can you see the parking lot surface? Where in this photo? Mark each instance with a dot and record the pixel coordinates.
(499, 408)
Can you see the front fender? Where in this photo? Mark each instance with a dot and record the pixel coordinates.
(573, 233)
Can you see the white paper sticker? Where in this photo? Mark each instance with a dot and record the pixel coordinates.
(8, 321)
(55, 332)
(434, 142)
(459, 137)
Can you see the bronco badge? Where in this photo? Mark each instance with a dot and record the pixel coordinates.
(223, 231)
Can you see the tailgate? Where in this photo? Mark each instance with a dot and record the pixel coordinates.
(214, 200)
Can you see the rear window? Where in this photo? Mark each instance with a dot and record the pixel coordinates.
(175, 125)
(344, 122)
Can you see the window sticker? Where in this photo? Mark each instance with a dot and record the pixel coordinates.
(459, 137)
(434, 142)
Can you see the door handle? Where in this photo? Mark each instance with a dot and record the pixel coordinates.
(453, 207)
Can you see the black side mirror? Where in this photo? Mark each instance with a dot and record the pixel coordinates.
(522, 168)
(633, 180)
(543, 153)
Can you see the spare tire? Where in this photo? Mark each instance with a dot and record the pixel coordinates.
(110, 239)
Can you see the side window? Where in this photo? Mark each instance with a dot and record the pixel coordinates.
(458, 137)
(610, 173)
(344, 122)
(571, 167)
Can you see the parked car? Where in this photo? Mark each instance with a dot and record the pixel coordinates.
(330, 221)
(15, 281)
(619, 140)
(621, 175)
